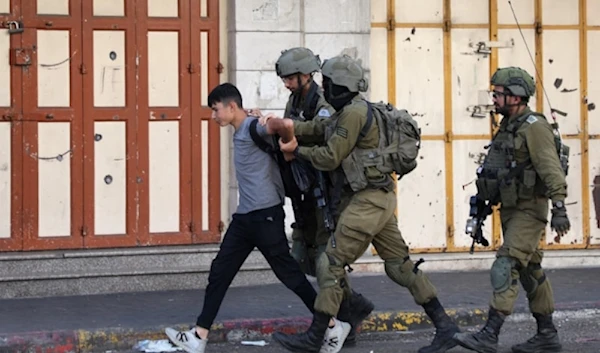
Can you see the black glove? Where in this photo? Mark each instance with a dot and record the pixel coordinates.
(560, 222)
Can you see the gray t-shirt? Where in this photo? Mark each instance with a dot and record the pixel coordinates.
(257, 173)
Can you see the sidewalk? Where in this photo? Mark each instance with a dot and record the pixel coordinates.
(117, 321)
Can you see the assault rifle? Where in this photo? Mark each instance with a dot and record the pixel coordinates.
(320, 194)
(478, 212)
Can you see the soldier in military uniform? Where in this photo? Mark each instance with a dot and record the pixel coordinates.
(522, 168)
(296, 68)
(369, 215)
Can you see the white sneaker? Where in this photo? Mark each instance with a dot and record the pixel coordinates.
(186, 340)
(335, 337)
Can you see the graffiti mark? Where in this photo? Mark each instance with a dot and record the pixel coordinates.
(59, 158)
(413, 31)
(54, 66)
(568, 90)
(550, 60)
(558, 82)
(591, 107)
(268, 11)
(559, 112)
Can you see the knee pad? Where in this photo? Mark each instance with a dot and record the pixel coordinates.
(401, 271)
(330, 271)
(531, 277)
(500, 274)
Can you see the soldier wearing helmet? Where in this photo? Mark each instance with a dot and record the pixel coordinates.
(368, 216)
(296, 67)
(522, 172)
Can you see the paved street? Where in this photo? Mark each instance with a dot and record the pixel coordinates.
(580, 332)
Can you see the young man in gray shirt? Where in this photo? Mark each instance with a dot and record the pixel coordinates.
(257, 222)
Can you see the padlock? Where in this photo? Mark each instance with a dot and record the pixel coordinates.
(14, 27)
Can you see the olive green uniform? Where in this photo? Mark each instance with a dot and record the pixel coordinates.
(310, 239)
(524, 208)
(369, 215)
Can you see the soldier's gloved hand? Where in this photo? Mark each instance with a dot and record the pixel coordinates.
(560, 221)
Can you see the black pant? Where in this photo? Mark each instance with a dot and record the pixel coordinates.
(264, 229)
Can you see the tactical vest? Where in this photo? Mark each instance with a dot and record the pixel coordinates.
(306, 111)
(358, 170)
(501, 178)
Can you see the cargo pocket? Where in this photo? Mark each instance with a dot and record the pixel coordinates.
(527, 185)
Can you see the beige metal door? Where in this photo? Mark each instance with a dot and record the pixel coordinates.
(438, 58)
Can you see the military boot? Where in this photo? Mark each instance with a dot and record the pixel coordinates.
(486, 340)
(309, 341)
(445, 328)
(354, 311)
(545, 340)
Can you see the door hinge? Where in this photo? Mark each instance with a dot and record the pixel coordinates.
(190, 68)
(84, 231)
(538, 27)
(447, 25)
(391, 24)
(448, 137)
(82, 69)
(450, 231)
(221, 227)
(191, 227)
(220, 68)
(485, 47)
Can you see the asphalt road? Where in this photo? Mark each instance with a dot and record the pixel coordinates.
(580, 332)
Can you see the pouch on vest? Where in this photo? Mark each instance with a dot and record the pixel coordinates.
(355, 172)
(527, 186)
(508, 190)
(486, 188)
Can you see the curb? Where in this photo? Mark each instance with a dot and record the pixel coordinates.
(115, 339)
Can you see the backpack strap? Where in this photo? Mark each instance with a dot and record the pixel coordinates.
(310, 103)
(259, 141)
(337, 189)
(365, 129)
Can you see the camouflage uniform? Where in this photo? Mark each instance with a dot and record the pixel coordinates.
(525, 143)
(305, 104)
(310, 234)
(369, 215)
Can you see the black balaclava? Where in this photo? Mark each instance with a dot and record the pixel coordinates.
(336, 95)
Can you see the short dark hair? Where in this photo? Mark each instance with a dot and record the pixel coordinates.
(225, 93)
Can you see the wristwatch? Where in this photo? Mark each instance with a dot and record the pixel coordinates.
(558, 204)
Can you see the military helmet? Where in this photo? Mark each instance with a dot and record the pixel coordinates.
(297, 61)
(344, 71)
(516, 80)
